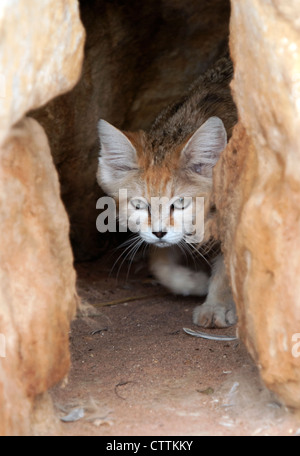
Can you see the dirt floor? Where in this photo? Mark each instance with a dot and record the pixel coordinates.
(135, 372)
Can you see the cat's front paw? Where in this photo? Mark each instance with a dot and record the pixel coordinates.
(216, 315)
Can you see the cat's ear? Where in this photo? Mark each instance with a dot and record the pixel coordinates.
(203, 149)
(117, 155)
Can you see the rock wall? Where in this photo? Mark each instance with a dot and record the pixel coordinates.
(41, 51)
(257, 189)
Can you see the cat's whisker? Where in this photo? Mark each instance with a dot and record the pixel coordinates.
(183, 248)
(129, 247)
(127, 242)
(146, 245)
(197, 252)
(192, 252)
(189, 252)
(209, 247)
(133, 253)
(128, 255)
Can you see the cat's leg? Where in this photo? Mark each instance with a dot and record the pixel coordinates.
(165, 266)
(219, 309)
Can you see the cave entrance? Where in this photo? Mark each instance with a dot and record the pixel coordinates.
(133, 371)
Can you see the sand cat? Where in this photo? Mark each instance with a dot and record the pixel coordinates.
(174, 161)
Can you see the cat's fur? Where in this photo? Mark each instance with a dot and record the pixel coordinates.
(175, 159)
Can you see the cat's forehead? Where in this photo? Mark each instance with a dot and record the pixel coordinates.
(158, 181)
(158, 164)
(159, 176)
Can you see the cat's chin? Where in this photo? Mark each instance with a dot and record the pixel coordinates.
(162, 244)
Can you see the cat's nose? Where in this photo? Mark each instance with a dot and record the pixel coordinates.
(159, 234)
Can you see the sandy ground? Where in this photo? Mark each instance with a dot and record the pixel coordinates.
(136, 373)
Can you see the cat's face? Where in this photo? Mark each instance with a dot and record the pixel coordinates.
(164, 195)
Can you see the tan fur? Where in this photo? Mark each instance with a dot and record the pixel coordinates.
(174, 160)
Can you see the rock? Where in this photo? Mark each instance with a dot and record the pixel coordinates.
(41, 46)
(257, 190)
(41, 50)
(37, 279)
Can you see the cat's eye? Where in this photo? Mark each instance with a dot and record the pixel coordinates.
(139, 204)
(182, 203)
(203, 169)
(198, 168)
